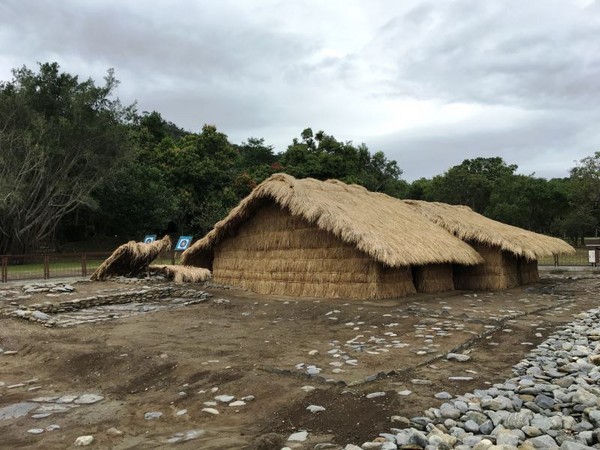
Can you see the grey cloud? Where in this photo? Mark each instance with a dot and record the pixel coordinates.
(204, 66)
(497, 52)
(547, 145)
(203, 48)
(225, 111)
(271, 68)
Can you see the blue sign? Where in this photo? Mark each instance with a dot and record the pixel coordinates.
(149, 239)
(183, 242)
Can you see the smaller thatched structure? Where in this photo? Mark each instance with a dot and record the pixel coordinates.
(130, 259)
(510, 253)
(182, 274)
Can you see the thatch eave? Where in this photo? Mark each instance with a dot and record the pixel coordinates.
(470, 226)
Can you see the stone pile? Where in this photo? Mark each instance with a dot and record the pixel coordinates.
(140, 280)
(551, 402)
(53, 288)
(8, 293)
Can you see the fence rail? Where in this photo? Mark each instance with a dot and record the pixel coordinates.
(58, 265)
(580, 258)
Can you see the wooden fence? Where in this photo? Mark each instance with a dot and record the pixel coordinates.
(56, 265)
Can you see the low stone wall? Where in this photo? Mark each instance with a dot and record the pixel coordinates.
(38, 312)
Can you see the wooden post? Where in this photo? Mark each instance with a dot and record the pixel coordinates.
(83, 265)
(46, 267)
(555, 260)
(4, 270)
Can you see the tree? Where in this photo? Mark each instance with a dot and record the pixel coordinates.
(471, 182)
(584, 183)
(420, 190)
(136, 198)
(323, 157)
(383, 175)
(59, 138)
(200, 169)
(585, 179)
(525, 201)
(255, 162)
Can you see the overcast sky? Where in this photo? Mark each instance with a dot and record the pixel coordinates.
(430, 83)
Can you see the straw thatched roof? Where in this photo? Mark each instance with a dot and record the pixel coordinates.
(388, 230)
(182, 274)
(131, 259)
(468, 225)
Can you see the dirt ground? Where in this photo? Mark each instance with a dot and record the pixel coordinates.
(173, 359)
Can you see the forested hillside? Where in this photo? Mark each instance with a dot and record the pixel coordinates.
(76, 164)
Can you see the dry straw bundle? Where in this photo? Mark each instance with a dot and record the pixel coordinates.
(182, 274)
(130, 259)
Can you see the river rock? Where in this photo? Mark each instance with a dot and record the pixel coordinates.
(38, 315)
(542, 442)
(84, 441)
(457, 357)
(300, 436)
(88, 399)
(518, 420)
(315, 408)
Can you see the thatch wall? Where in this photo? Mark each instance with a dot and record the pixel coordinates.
(500, 270)
(130, 259)
(433, 278)
(528, 271)
(274, 252)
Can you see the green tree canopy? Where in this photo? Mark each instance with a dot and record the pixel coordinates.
(584, 216)
(471, 182)
(323, 157)
(59, 138)
(525, 201)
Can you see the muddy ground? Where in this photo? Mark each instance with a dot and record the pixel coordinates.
(172, 359)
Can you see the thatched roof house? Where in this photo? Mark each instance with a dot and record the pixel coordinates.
(510, 253)
(309, 238)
